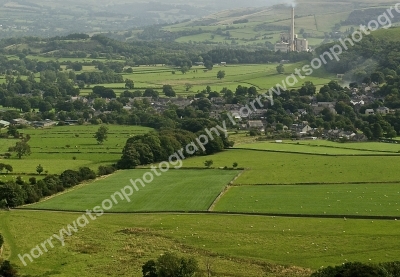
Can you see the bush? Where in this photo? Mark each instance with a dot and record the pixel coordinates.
(86, 173)
(351, 270)
(106, 170)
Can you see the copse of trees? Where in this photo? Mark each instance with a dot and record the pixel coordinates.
(170, 264)
(159, 146)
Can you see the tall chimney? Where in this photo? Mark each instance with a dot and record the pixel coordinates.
(292, 43)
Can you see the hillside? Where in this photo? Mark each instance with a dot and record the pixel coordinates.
(319, 22)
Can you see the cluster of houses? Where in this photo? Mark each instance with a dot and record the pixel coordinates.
(253, 120)
(21, 121)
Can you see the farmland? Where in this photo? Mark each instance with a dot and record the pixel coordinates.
(326, 148)
(170, 192)
(263, 77)
(349, 199)
(239, 245)
(290, 168)
(245, 245)
(70, 147)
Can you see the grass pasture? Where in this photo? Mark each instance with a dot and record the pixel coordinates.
(262, 76)
(324, 147)
(169, 192)
(290, 168)
(118, 245)
(349, 199)
(70, 147)
(362, 146)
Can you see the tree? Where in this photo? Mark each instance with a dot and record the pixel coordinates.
(378, 77)
(391, 133)
(13, 131)
(130, 157)
(209, 64)
(39, 169)
(149, 269)
(307, 88)
(168, 91)
(22, 148)
(184, 69)
(188, 86)
(101, 134)
(351, 270)
(170, 265)
(129, 84)
(7, 270)
(377, 131)
(150, 93)
(208, 163)
(280, 69)
(77, 66)
(221, 74)
(235, 164)
(13, 194)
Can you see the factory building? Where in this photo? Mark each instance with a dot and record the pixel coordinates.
(290, 42)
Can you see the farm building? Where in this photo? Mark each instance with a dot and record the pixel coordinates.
(4, 123)
(255, 124)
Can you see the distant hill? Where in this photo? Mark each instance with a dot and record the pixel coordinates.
(319, 21)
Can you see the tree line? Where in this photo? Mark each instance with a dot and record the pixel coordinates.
(19, 192)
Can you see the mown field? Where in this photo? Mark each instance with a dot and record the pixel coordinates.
(326, 147)
(263, 77)
(291, 168)
(363, 146)
(349, 199)
(175, 190)
(117, 245)
(70, 147)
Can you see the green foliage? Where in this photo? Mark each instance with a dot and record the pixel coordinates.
(7, 167)
(7, 270)
(129, 84)
(157, 147)
(13, 131)
(1, 240)
(101, 134)
(168, 265)
(168, 91)
(221, 74)
(280, 69)
(208, 163)
(39, 169)
(22, 148)
(351, 270)
(13, 193)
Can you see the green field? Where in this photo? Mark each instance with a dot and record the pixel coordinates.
(169, 192)
(288, 168)
(326, 147)
(118, 245)
(363, 146)
(70, 147)
(349, 199)
(262, 76)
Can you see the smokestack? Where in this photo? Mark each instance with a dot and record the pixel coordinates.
(292, 44)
